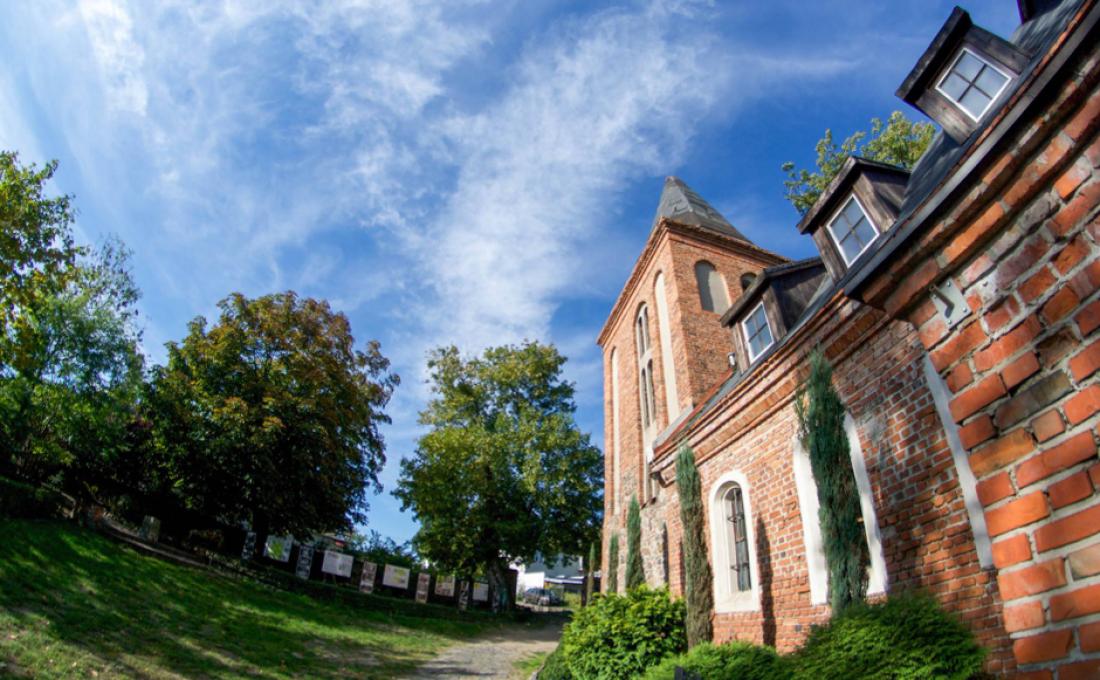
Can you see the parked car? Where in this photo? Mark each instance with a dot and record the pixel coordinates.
(543, 596)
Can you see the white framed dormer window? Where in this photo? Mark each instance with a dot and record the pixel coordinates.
(734, 547)
(852, 230)
(973, 83)
(758, 334)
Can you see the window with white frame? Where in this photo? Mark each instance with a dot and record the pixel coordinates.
(758, 334)
(852, 230)
(733, 549)
(972, 83)
(738, 539)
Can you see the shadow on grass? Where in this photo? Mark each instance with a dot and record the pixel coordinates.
(72, 602)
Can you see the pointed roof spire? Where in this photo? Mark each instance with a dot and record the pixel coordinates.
(680, 203)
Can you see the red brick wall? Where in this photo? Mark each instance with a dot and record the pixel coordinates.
(699, 344)
(1023, 245)
(927, 541)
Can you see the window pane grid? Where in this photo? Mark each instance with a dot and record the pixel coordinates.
(757, 333)
(739, 562)
(852, 230)
(973, 84)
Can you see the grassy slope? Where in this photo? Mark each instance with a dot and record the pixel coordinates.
(73, 604)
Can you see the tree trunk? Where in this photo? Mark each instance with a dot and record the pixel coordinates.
(501, 594)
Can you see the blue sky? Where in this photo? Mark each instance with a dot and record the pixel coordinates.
(453, 172)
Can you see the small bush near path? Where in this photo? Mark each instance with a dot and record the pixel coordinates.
(739, 660)
(75, 605)
(555, 668)
(907, 637)
(619, 636)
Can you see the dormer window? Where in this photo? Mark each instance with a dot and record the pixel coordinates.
(961, 77)
(758, 335)
(852, 230)
(973, 83)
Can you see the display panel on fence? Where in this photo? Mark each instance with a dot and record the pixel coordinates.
(481, 592)
(337, 563)
(366, 580)
(305, 562)
(395, 577)
(278, 547)
(423, 582)
(445, 586)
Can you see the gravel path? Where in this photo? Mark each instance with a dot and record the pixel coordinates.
(492, 655)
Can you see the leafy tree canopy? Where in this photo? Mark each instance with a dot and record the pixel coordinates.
(899, 141)
(70, 368)
(272, 416)
(37, 250)
(504, 471)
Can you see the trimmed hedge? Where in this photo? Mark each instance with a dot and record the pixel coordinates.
(19, 500)
(739, 660)
(907, 637)
(554, 667)
(619, 636)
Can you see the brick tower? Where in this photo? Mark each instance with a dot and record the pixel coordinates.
(663, 345)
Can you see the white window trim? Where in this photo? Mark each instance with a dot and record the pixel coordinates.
(808, 507)
(668, 369)
(726, 598)
(958, 105)
(967, 482)
(876, 574)
(616, 476)
(745, 332)
(866, 216)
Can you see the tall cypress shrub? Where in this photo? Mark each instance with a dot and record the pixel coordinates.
(821, 428)
(698, 595)
(590, 573)
(613, 565)
(635, 575)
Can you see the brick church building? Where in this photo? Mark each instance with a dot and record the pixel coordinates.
(958, 304)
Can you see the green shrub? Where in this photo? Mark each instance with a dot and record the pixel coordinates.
(619, 636)
(554, 667)
(739, 660)
(904, 638)
(25, 501)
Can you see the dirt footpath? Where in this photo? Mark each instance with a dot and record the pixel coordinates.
(492, 655)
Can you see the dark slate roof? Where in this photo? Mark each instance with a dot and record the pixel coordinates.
(766, 277)
(1034, 38)
(680, 203)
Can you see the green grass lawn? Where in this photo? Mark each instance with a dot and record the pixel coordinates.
(74, 604)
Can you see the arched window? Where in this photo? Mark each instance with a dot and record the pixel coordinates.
(746, 280)
(712, 288)
(734, 553)
(645, 369)
(738, 540)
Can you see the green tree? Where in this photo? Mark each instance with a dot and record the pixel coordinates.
(821, 428)
(635, 574)
(899, 141)
(503, 472)
(37, 251)
(272, 416)
(590, 572)
(613, 565)
(698, 596)
(72, 373)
